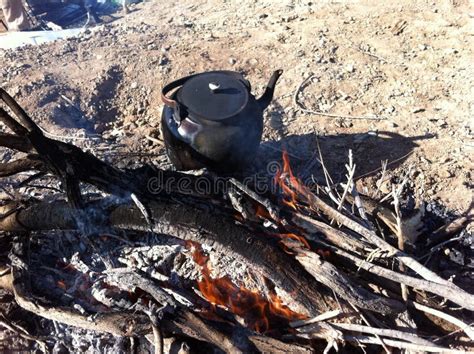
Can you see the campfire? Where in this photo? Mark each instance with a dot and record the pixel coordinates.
(152, 256)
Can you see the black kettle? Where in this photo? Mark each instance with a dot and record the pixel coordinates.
(213, 120)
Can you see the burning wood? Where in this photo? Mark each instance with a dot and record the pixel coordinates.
(228, 268)
(259, 314)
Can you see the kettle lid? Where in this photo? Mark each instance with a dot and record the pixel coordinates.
(215, 95)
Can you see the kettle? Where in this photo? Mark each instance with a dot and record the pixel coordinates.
(212, 120)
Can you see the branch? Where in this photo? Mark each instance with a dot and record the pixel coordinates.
(29, 163)
(463, 326)
(403, 345)
(408, 337)
(371, 236)
(461, 298)
(15, 142)
(327, 274)
(26, 122)
(12, 123)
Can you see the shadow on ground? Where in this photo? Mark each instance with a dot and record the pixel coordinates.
(368, 151)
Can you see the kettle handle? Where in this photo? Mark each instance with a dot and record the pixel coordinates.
(172, 85)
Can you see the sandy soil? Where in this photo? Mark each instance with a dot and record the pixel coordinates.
(408, 63)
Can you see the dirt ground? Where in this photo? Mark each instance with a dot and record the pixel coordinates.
(407, 63)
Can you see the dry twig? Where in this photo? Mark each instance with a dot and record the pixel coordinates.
(462, 326)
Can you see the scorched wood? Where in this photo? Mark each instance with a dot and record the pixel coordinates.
(186, 223)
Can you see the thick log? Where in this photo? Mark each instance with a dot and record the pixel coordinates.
(185, 223)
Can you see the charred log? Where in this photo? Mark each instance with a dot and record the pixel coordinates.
(185, 223)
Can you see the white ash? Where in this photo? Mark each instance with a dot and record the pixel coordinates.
(68, 337)
(78, 263)
(155, 260)
(175, 263)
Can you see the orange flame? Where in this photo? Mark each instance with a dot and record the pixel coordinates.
(259, 313)
(290, 185)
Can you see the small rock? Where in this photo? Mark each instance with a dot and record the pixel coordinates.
(289, 18)
(445, 173)
(209, 36)
(442, 123)
(164, 60)
(134, 85)
(281, 37)
(418, 110)
(253, 62)
(232, 61)
(188, 24)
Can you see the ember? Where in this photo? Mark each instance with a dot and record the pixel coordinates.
(260, 314)
(61, 284)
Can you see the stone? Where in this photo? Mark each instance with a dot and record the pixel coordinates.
(445, 173)
(253, 62)
(418, 110)
(164, 60)
(300, 53)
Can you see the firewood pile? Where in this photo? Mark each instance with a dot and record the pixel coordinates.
(202, 262)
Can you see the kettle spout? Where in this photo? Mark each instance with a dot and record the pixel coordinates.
(267, 96)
